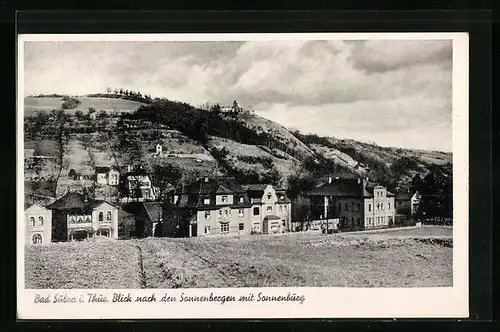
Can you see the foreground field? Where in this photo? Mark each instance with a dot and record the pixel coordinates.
(403, 258)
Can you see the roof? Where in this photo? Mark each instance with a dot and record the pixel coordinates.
(404, 195)
(153, 210)
(102, 169)
(29, 206)
(76, 201)
(344, 188)
(205, 186)
(272, 217)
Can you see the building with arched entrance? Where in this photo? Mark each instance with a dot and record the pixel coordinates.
(38, 225)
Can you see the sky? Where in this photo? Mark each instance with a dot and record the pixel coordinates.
(389, 92)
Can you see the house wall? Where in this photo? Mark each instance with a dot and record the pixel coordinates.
(383, 208)
(351, 211)
(256, 219)
(223, 216)
(113, 178)
(44, 230)
(218, 200)
(101, 178)
(113, 223)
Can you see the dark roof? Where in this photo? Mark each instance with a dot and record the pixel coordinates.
(404, 196)
(205, 186)
(102, 169)
(271, 217)
(344, 188)
(153, 210)
(75, 201)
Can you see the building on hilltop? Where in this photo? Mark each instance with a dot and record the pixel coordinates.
(76, 217)
(236, 108)
(38, 225)
(357, 203)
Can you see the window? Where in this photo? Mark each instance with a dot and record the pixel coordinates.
(269, 195)
(108, 215)
(378, 206)
(207, 215)
(40, 221)
(87, 219)
(224, 199)
(72, 220)
(220, 213)
(281, 209)
(207, 229)
(226, 213)
(241, 199)
(269, 209)
(282, 197)
(256, 211)
(101, 216)
(32, 221)
(241, 226)
(369, 207)
(346, 207)
(206, 201)
(389, 205)
(382, 206)
(241, 212)
(359, 206)
(80, 219)
(224, 228)
(37, 238)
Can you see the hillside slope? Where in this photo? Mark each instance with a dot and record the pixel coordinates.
(200, 142)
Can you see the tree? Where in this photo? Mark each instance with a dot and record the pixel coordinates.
(79, 115)
(165, 177)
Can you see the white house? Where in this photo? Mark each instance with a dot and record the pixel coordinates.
(38, 224)
(107, 175)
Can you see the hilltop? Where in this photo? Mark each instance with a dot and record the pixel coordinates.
(201, 142)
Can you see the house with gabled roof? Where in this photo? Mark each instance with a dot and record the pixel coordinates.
(212, 206)
(271, 209)
(107, 175)
(147, 216)
(358, 203)
(76, 216)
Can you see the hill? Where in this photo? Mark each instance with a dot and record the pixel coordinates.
(33, 105)
(200, 142)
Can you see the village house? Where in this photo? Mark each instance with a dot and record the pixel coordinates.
(357, 203)
(212, 206)
(271, 209)
(407, 202)
(138, 186)
(38, 224)
(107, 175)
(76, 217)
(147, 217)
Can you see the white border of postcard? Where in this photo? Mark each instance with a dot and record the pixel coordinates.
(319, 302)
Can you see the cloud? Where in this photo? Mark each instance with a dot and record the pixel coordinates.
(360, 89)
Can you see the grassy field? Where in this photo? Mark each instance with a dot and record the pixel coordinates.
(404, 258)
(46, 104)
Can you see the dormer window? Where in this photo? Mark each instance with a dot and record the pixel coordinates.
(269, 195)
(224, 199)
(206, 201)
(241, 199)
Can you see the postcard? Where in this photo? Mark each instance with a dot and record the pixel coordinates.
(242, 176)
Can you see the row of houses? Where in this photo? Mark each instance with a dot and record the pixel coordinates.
(213, 206)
